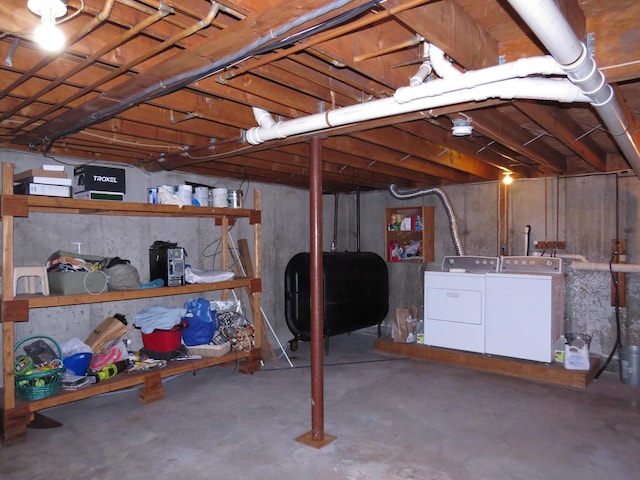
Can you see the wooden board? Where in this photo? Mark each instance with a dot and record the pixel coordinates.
(543, 372)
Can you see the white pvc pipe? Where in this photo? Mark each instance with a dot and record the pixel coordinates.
(581, 263)
(263, 117)
(573, 256)
(548, 24)
(423, 72)
(456, 80)
(604, 267)
(559, 90)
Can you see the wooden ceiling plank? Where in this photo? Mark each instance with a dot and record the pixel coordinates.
(617, 50)
(500, 130)
(555, 120)
(381, 154)
(447, 25)
(469, 146)
(155, 81)
(366, 165)
(405, 142)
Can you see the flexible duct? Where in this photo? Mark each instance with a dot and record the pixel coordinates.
(560, 90)
(403, 194)
(547, 22)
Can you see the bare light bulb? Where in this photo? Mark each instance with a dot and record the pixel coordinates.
(47, 35)
(507, 179)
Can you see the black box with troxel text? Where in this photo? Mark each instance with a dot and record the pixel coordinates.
(103, 179)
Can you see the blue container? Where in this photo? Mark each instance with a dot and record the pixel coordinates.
(78, 363)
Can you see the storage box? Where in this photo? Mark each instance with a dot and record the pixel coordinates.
(102, 179)
(69, 283)
(210, 350)
(95, 195)
(164, 341)
(26, 188)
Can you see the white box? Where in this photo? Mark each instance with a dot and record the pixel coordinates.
(42, 189)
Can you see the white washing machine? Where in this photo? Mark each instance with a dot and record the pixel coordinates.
(454, 310)
(524, 315)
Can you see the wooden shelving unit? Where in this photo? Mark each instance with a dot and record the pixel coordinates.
(404, 227)
(17, 413)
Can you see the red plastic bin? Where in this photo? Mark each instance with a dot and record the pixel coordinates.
(164, 341)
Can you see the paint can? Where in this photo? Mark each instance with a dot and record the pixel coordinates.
(202, 196)
(185, 194)
(152, 195)
(234, 199)
(219, 197)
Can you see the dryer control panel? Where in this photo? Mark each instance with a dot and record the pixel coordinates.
(471, 264)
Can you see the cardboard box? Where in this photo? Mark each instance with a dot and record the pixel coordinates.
(70, 283)
(102, 179)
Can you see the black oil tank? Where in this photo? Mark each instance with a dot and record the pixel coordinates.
(355, 290)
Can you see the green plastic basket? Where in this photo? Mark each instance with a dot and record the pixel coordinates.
(37, 385)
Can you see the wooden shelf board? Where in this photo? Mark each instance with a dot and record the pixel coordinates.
(127, 380)
(43, 204)
(40, 301)
(525, 369)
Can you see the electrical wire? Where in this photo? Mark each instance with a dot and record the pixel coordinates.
(617, 343)
(616, 284)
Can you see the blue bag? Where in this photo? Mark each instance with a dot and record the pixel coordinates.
(202, 323)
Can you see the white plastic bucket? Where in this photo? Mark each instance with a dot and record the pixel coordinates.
(185, 194)
(219, 197)
(202, 196)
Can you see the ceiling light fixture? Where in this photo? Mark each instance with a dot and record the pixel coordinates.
(461, 127)
(507, 179)
(47, 35)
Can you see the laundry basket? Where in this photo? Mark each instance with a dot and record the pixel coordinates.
(38, 382)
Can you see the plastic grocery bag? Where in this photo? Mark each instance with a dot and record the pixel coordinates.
(202, 323)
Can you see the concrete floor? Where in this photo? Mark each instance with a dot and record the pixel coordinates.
(394, 418)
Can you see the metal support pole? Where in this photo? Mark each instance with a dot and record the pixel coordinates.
(317, 299)
(316, 437)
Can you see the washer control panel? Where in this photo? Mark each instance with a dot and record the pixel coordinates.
(543, 265)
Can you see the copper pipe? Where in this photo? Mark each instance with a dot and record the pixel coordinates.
(317, 300)
(205, 22)
(323, 37)
(93, 23)
(416, 40)
(160, 14)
